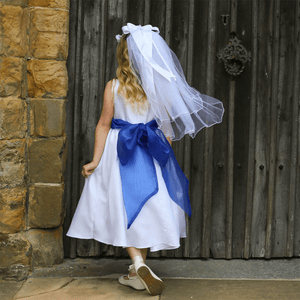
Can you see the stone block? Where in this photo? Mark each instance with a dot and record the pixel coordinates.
(47, 246)
(49, 20)
(16, 272)
(14, 249)
(13, 121)
(12, 209)
(51, 45)
(45, 205)
(50, 3)
(14, 39)
(46, 160)
(47, 117)
(12, 163)
(47, 79)
(12, 77)
(22, 3)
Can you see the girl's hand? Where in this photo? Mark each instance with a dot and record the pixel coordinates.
(88, 169)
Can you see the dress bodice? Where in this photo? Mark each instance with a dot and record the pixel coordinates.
(124, 111)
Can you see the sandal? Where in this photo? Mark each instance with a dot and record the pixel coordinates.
(152, 283)
(132, 281)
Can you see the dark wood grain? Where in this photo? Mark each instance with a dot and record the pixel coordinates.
(197, 149)
(284, 130)
(263, 96)
(252, 130)
(208, 141)
(220, 151)
(293, 242)
(273, 129)
(241, 133)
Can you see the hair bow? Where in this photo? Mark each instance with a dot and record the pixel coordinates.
(130, 28)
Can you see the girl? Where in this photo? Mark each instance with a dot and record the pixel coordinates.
(135, 194)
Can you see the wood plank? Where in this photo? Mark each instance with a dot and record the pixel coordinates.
(294, 137)
(295, 177)
(158, 15)
(76, 123)
(102, 62)
(147, 12)
(179, 44)
(136, 12)
(220, 144)
(284, 129)
(252, 129)
(197, 167)
(241, 132)
(114, 22)
(230, 162)
(264, 73)
(71, 65)
(90, 98)
(273, 130)
(208, 152)
(187, 138)
(230, 153)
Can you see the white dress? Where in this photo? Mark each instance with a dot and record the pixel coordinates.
(101, 214)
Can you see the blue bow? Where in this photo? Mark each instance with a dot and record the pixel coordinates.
(137, 145)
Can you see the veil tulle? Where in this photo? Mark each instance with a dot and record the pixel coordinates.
(179, 109)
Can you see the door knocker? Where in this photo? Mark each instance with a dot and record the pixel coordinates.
(234, 56)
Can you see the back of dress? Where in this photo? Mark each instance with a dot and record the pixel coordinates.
(124, 111)
(101, 213)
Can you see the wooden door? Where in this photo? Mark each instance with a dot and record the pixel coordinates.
(244, 173)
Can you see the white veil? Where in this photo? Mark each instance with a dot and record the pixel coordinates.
(179, 109)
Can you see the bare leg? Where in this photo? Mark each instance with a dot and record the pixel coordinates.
(144, 253)
(133, 252)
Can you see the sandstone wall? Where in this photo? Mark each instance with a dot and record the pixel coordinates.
(33, 90)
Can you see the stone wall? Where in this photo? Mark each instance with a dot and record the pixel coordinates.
(33, 90)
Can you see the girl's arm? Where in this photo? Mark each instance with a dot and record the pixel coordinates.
(102, 130)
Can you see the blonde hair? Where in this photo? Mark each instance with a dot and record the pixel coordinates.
(129, 86)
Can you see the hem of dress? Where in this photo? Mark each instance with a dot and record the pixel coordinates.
(153, 247)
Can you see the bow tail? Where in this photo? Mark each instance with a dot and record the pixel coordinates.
(177, 184)
(175, 180)
(139, 182)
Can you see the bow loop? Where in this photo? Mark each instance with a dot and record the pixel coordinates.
(140, 135)
(130, 28)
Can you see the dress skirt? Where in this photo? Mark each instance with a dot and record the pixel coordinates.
(101, 214)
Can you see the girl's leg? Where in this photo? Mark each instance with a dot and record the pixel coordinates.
(144, 253)
(149, 280)
(133, 252)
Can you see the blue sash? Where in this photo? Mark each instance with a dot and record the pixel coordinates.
(137, 145)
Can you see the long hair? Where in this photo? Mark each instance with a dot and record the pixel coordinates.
(129, 86)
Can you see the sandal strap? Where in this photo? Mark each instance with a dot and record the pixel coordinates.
(132, 269)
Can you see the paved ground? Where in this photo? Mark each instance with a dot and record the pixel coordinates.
(95, 279)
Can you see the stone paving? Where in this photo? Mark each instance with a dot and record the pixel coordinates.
(96, 279)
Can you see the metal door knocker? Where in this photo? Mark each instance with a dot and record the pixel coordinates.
(234, 56)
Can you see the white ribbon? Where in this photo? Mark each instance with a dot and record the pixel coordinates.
(142, 36)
